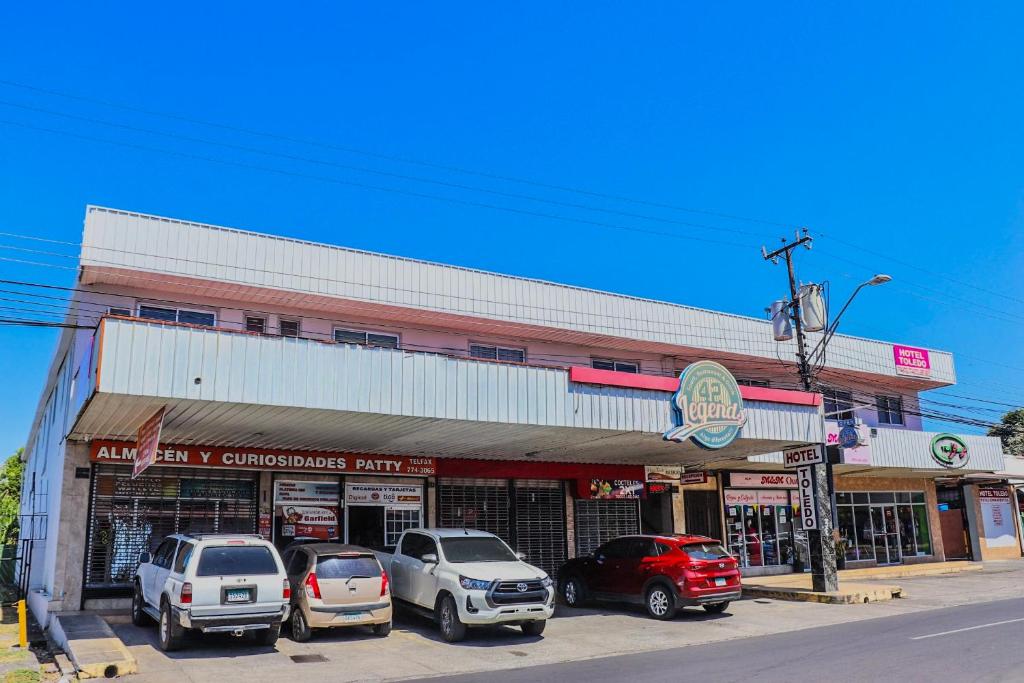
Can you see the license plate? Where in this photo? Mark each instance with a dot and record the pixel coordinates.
(238, 595)
(720, 581)
(353, 616)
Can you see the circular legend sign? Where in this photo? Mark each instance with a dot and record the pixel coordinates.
(707, 407)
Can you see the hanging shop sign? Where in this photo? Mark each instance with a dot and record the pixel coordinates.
(911, 361)
(268, 459)
(389, 496)
(615, 488)
(148, 442)
(950, 451)
(655, 487)
(663, 472)
(763, 480)
(693, 478)
(306, 492)
(707, 407)
(808, 501)
(309, 521)
(997, 517)
(805, 455)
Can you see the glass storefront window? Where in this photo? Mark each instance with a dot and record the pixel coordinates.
(760, 528)
(905, 516)
(924, 543)
(881, 529)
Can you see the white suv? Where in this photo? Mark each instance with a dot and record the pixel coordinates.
(214, 583)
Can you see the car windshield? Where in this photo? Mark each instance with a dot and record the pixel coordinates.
(340, 567)
(476, 549)
(236, 560)
(705, 551)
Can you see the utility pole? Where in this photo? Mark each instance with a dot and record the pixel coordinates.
(824, 574)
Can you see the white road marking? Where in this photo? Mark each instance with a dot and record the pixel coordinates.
(968, 628)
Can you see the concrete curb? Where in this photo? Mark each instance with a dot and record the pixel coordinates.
(851, 596)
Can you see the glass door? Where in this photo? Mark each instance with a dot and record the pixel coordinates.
(885, 534)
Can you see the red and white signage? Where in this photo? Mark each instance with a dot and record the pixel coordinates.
(764, 480)
(911, 361)
(148, 442)
(268, 459)
(805, 455)
(693, 478)
(388, 496)
(749, 497)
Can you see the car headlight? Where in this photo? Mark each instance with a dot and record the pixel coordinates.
(546, 582)
(473, 584)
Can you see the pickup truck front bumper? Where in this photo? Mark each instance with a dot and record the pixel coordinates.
(476, 608)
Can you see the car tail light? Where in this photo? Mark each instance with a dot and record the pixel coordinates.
(695, 567)
(312, 587)
(286, 590)
(383, 583)
(186, 593)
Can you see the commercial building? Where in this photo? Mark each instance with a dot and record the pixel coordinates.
(313, 390)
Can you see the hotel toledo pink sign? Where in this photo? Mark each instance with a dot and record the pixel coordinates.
(911, 361)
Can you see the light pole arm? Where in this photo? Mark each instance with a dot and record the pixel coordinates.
(831, 329)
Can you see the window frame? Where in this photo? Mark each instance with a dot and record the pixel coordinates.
(366, 337)
(887, 413)
(749, 382)
(263, 323)
(615, 365)
(498, 348)
(298, 328)
(177, 313)
(117, 310)
(839, 398)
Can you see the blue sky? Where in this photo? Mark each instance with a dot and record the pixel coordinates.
(892, 132)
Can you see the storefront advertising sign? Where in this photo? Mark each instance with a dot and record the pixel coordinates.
(663, 472)
(950, 451)
(266, 524)
(390, 496)
(808, 502)
(313, 522)
(739, 497)
(693, 478)
(764, 480)
(997, 517)
(615, 488)
(853, 440)
(911, 361)
(707, 407)
(306, 492)
(148, 442)
(268, 459)
(805, 455)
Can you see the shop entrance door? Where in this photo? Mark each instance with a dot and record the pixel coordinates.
(885, 534)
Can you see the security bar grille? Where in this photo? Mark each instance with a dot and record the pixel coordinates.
(598, 521)
(540, 525)
(475, 504)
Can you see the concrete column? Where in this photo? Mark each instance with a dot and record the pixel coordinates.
(678, 511)
(71, 532)
(824, 574)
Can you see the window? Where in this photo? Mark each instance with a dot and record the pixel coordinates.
(476, 549)
(838, 404)
(298, 563)
(388, 341)
(397, 521)
(337, 567)
(753, 383)
(616, 365)
(162, 556)
(874, 522)
(172, 315)
(705, 551)
(113, 310)
(236, 560)
(418, 545)
(890, 410)
(255, 324)
(288, 328)
(184, 553)
(497, 353)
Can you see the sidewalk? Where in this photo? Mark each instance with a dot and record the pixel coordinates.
(17, 665)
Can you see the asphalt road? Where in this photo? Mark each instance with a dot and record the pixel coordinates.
(977, 642)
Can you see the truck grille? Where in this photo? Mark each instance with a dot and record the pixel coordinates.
(508, 593)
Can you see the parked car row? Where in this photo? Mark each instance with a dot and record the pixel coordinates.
(461, 578)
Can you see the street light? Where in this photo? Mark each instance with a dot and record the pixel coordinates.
(878, 279)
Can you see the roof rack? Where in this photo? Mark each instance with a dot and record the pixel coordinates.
(203, 537)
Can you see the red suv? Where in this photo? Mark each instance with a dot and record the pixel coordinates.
(664, 572)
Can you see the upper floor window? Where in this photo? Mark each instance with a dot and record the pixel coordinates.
(617, 365)
(115, 310)
(497, 353)
(255, 324)
(389, 341)
(838, 404)
(177, 315)
(890, 410)
(763, 383)
(288, 328)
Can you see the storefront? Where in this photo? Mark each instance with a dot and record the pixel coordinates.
(761, 513)
(883, 527)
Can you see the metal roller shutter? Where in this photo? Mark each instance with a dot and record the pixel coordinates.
(128, 516)
(482, 504)
(598, 521)
(540, 523)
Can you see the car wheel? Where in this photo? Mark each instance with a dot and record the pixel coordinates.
(171, 632)
(534, 628)
(268, 636)
(301, 632)
(139, 616)
(660, 602)
(573, 593)
(452, 628)
(382, 630)
(717, 607)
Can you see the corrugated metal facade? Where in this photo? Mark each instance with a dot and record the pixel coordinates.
(156, 360)
(116, 239)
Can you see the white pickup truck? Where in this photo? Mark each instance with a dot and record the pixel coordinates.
(463, 577)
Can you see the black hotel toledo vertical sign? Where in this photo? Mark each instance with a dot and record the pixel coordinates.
(808, 503)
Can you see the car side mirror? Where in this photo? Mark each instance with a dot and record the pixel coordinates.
(145, 558)
(520, 556)
(429, 558)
